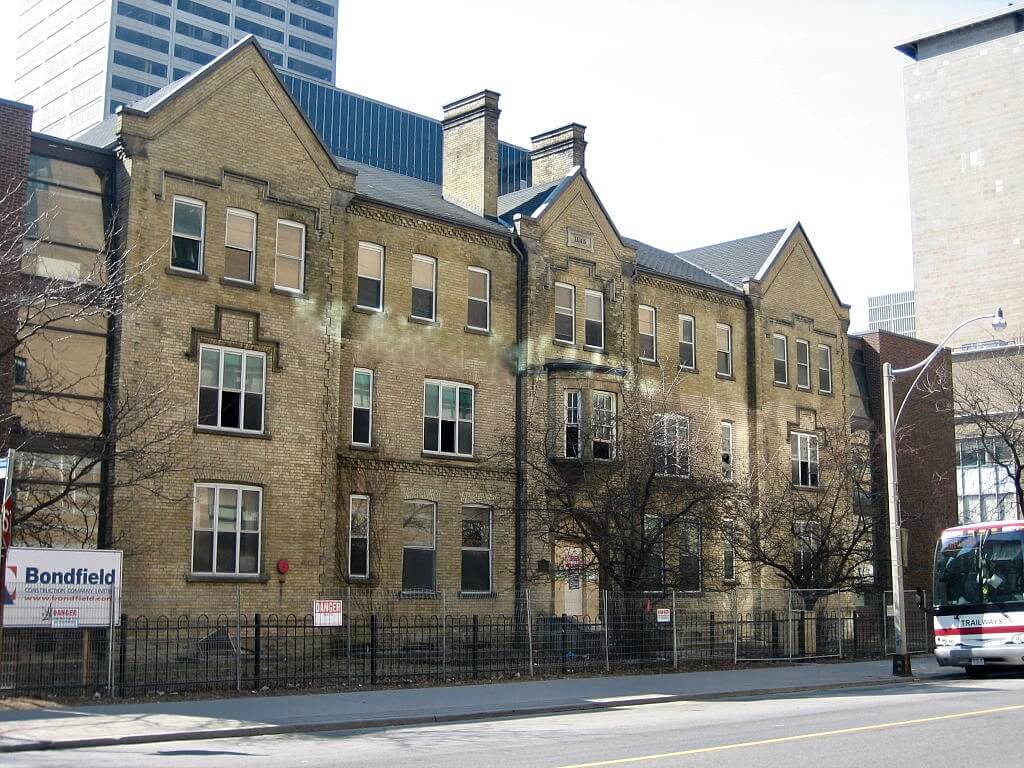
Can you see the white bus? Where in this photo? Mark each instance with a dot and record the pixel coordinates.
(979, 597)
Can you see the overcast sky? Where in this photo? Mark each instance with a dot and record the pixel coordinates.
(706, 120)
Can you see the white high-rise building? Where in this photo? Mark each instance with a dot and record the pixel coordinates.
(78, 60)
(893, 312)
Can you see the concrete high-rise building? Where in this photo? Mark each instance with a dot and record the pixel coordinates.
(964, 121)
(966, 162)
(893, 312)
(78, 61)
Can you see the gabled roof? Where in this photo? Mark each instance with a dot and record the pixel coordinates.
(525, 201)
(416, 195)
(735, 261)
(659, 262)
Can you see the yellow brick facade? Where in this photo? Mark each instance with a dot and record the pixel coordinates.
(233, 139)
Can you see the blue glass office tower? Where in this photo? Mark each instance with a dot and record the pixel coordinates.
(387, 137)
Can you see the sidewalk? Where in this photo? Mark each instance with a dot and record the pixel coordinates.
(89, 726)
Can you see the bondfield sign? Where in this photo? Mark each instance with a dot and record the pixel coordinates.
(62, 587)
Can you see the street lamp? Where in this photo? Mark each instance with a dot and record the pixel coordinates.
(901, 660)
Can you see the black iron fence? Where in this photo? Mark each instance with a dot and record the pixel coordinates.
(140, 656)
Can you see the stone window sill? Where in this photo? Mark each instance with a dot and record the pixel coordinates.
(477, 595)
(188, 275)
(424, 321)
(365, 448)
(725, 376)
(684, 369)
(564, 343)
(228, 578)
(245, 286)
(477, 331)
(366, 310)
(289, 293)
(651, 363)
(449, 457)
(230, 433)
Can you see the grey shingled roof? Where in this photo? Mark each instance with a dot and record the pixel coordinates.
(735, 260)
(661, 262)
(415, 195)
(525, 201)
(101, 135)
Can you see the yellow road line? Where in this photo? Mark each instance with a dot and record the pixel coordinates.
(801, 737)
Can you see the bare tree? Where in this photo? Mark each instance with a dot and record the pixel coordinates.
(627, 476)
(83, 428)
(808, 517)
(988, 400)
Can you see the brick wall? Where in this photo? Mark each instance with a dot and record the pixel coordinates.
(926, 453)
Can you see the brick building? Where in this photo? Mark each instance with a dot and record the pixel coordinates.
(345, 355)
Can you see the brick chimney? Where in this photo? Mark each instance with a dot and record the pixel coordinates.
(470, 170)
(557, 152)
(15, 146)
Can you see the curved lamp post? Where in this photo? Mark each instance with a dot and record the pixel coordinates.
(901, 659)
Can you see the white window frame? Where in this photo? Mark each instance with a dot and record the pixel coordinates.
(728, 351)
(245, 353)
(489, 549)
(804, 367)
(672, 438)
(355, 373)
(361, 497)
(654, 325)
(252, 253)
(238, 527)
(586, 318)
(776, 337)
(487, 299)
(202, 234)
(572, 412)
(828, 357)
(379, 249)
(301, 258)
(594, 425)
(804, 449)
(418, 257)
(432, 547)
(728, 464)
(571, 312)
(441, 384)
(692, 343)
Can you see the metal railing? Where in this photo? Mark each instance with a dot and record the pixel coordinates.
(393, 641)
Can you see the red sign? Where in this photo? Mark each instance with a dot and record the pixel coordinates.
(6, 521)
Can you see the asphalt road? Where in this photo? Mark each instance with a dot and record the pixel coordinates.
(945, 721)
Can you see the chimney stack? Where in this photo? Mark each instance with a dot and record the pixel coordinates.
(557, 152)
(470, 171)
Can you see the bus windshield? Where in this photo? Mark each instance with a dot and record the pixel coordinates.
(980, 568)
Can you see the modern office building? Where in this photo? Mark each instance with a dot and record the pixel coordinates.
(893, 312)
(966, 160)
(78, 61)
(964, 121)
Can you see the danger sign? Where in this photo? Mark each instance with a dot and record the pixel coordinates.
(664, 615)
(327, 613)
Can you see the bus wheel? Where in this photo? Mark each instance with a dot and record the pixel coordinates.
(976, 672)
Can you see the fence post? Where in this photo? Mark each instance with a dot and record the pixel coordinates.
(256, 655)
(564, 670)
(529, 631)
(348, 635)
(476, 641)
(675, 637)
(373, 648)
(444, 637)
(735, 630)
(110, 645)
(238, 637)
(122, 655)
(607, 660)
(711, 634)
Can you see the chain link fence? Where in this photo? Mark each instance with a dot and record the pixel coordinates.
(388, 639)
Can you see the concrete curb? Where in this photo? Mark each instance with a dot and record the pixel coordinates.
(387, 722)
